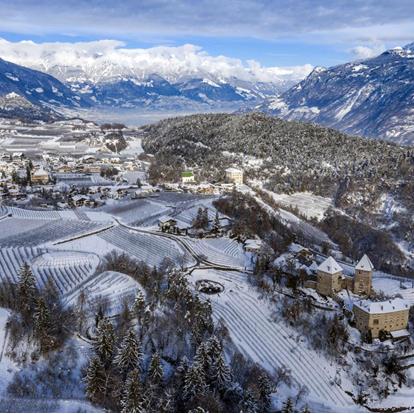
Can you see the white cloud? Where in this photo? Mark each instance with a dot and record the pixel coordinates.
(366, 52)
(102, 59)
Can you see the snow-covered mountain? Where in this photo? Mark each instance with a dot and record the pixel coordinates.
(373, 97)
(36, 87)
(173, 77)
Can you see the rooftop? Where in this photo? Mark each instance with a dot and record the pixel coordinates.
(392, 305)
(365, 264)
(233, 170)
(330, 266)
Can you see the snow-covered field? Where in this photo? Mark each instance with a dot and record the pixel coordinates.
(308, 204)
(392, 287)
(273, 344)
(112, 286)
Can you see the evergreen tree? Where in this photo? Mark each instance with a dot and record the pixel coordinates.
(265, 390)
(42, 324)
(155, 371)
(95, 380)
(288, 406)
(195, 382)
(248, 404)
(133, 394)
(220, 373)
(26, 290)
(105, 342)
(202, 357)
(129, 355)
(214, 348)
(216, 225)
(138, 307)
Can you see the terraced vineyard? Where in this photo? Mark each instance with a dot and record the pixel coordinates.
(215, 252)
(271, 343)
(50, 231)
(13, 258)
(148, 248)
(68, 269)
(136, 211)
(112, 286)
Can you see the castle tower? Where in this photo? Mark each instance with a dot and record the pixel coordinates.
(329, 277)
(363, 276)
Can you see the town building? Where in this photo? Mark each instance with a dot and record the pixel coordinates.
(187, 177)
(389, 316)
(234, 175)
(40, 176)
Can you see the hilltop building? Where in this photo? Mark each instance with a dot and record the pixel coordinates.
(330, 279)
(363, 276)
(390, 316)
(234, 175)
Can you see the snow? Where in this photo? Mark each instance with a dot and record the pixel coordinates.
(308, 204)
(272, 343)
(330, 266)
(7, 366)
(364, 264)
(392, 305)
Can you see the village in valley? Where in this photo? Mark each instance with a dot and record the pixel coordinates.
(73, 193)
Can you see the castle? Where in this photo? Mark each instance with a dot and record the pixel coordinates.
(331, 280)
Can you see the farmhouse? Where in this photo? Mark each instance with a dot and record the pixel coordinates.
(168, 224)
(234, 175)
(252, 246)
(390, 316)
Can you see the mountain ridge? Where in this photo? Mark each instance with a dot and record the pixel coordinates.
(372, 97)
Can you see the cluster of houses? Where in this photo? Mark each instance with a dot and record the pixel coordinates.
(72, 181)
(376, 319)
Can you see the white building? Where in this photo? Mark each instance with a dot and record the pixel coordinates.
(234, 175)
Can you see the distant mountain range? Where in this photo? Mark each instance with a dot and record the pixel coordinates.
(372, 98)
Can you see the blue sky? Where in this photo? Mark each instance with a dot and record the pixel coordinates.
(274, 33)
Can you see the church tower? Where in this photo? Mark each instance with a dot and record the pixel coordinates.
(363, 276)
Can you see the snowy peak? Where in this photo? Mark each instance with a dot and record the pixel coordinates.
(371, 97)
(36, 87)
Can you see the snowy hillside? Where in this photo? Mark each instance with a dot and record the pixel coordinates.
(372, 97)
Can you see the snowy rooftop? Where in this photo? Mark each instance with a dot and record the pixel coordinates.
(233, 170)
(330, 266)
(365, 264)
(393, 305)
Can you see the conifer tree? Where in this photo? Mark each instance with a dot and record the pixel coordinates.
(132, 399)
(95, 380)
(202, 357)
(155, 371)
(265, 390)
(214, 348)
(248, 404)
(129, 355)
(42, 323)
(139, 305)
(195, 382)
(220, 373)
(288, 406)
(26, 290)
(105, 342)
